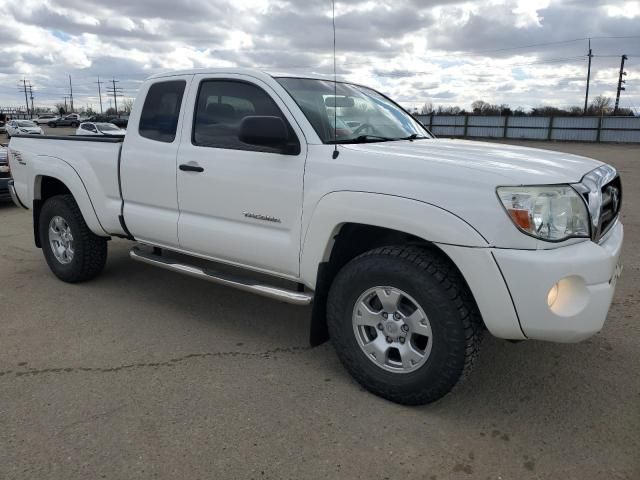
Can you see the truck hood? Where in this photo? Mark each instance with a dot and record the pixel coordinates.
(508, 163)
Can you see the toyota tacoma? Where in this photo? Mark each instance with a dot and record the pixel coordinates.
(308, 191)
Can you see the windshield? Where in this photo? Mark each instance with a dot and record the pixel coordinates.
(106, 127)
(26, 123)
(361, 114)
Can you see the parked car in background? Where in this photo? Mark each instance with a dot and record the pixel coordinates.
(4, 174)
(45, 118)
(23, 127)
(99, 128)
(71, 120)
(117, 121)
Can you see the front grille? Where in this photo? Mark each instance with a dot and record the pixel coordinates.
(610, 207)
(602, 192)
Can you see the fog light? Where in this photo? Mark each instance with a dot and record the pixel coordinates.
(552, 296)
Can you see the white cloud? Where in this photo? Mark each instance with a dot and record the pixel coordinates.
(447, 51)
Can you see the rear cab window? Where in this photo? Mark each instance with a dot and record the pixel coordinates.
(161, 111)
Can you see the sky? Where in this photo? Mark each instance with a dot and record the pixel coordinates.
(444, 52)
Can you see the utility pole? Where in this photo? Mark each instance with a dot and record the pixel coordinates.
(65, 104)
(33, 110)
(100, 92)
(24, 89)
(71, 94)
(114, 93)
(620, 83)
(586, 95)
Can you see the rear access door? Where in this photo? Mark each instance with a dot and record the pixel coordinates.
(148, 161)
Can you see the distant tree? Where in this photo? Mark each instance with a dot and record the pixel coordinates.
(110, 111)
(127, 105)
(548, 111)
(427, 109)
(576, 111)
(480, 107)
(625, 112)
(448, 110)
(60, 109)
(600, 105)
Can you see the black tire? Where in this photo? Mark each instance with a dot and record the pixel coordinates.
(438, 288)
(75, 125)
(90, 250)
(52, 125)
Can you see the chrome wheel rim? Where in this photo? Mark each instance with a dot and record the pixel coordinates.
(61, 240)
(392, 329)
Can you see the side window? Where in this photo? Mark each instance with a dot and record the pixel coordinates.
(220, 108)
(161, 109)
(86, 126)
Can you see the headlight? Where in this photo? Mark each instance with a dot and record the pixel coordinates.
(553, 213)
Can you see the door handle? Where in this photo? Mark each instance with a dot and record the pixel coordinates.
(189, 167)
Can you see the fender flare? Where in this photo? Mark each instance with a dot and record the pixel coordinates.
(54, 167)
(424, 220)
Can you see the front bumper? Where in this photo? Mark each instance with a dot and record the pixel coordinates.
(511, 287)
(586, 275)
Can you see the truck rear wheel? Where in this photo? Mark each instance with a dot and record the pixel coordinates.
(404, 323)
(72, 251)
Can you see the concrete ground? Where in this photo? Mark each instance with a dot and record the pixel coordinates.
(147, 374)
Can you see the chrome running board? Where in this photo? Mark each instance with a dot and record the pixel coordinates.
(246, 284)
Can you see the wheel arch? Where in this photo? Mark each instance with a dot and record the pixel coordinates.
(56, 177)
(372, 221)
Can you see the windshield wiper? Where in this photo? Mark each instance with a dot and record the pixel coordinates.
(364, 139)
(412, 137)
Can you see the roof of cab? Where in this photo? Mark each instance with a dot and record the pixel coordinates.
(254, 72)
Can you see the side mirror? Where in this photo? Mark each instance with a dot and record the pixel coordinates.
(265, 131)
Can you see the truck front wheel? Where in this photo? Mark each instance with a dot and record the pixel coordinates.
(404, 323)
(72, 251)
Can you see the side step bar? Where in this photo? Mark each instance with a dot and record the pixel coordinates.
(246, 284)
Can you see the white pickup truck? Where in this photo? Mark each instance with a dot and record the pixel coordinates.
(307, 191)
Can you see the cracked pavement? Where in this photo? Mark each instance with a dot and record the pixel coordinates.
(143, 373)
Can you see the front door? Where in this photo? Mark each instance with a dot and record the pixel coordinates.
(239, 203)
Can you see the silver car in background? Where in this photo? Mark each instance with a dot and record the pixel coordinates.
(22, 127)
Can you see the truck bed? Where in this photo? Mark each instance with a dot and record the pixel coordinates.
(76, 138)
(95, 163)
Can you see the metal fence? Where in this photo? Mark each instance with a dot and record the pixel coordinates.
(14, 113)
(582, 129)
